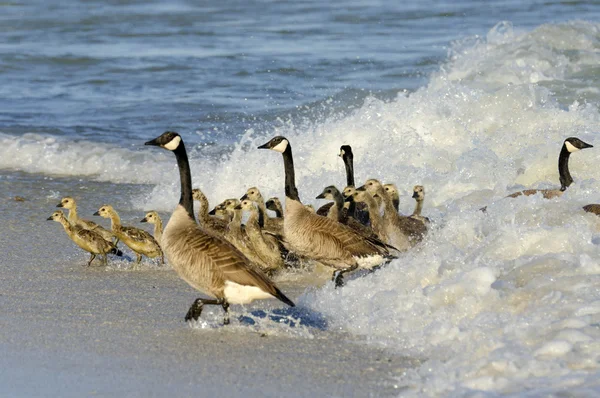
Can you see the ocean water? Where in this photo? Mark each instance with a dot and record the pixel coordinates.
(472, 101)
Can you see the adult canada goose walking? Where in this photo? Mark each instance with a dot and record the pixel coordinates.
(90, 241)
(70, 204)
(208, 263)
(570, 145)
(138, 240)
(321, 238)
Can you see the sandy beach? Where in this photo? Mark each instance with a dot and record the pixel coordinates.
(69, 330)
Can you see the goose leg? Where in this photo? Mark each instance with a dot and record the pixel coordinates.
(105, 259)
(139, 258)
(338, 276)
(196, 308)
(162, 259)
(225, 305)
(92, 257)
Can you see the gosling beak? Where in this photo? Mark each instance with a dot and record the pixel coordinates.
(238, 207)
(321, 196)
(142, 220)
(213, 212)
(244, 197)
(59, 205)
(96, 213)
(361, 188)
(49, 218)
(349, 198)
(415, 195)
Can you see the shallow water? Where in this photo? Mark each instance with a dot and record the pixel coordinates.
(444, 95)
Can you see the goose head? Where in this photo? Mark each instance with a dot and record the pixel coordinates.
(277, 144)
(105, 211)
(245, 205)
(273, 204)
(253, 194)
(169, 140)
(151, 217)
(197, 194)
(392, 190)
(328, 193)
(57, 216)
(574, 144)
(67, 202)
(418, 193)
(372, 186)
(346, 151)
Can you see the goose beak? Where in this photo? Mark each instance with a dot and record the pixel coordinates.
(96, 213)
(586, 145)
(415, 195)
(264, 146)
(244, 197)
(142, 220)
(361, 188)
(238, 207)
(321, 196)
(212, 212)
(49, 218)
(153, 142)
(59, 205)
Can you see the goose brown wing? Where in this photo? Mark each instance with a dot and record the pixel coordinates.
(323, 210)
(137, 234)
(229, 264)
(350, 240)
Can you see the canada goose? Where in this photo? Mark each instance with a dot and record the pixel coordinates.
(274, 225)
(138, 240)
(274, 204)
(403, 232)
(152, 217)
(376, 221)
(336, 212)
(321, 238)
(207, 262)
(266, 249)
(419, 197)
(70, 204)
(88, 240)
(392, 190)
(570, 145)
(212, 224)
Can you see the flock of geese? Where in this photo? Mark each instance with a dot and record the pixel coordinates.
(360, 228)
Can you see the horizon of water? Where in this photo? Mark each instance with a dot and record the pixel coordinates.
(474, 106)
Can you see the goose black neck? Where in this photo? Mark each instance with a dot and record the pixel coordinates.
(278, 213)
(563, 169)
(290, 179)
(349, 163)
(261, 218)
(186, 180)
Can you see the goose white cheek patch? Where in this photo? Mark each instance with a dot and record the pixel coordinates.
(570, 147)
(173, 144)
(281, 147)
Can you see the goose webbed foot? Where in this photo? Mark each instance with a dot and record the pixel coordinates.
(338, 278)
(196, 309)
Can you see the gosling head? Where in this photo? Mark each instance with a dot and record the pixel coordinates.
(151, 217)
(104, 211)
(245, 204)
(418, 193)
(253, 194)
(278, 144)
(574, 144)
(358, 195)
(328, 193)
(57, 216)
(348, 191)
(372, 186)
(67, 202)
(169, 140)
(392, 190)
(273, 204)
